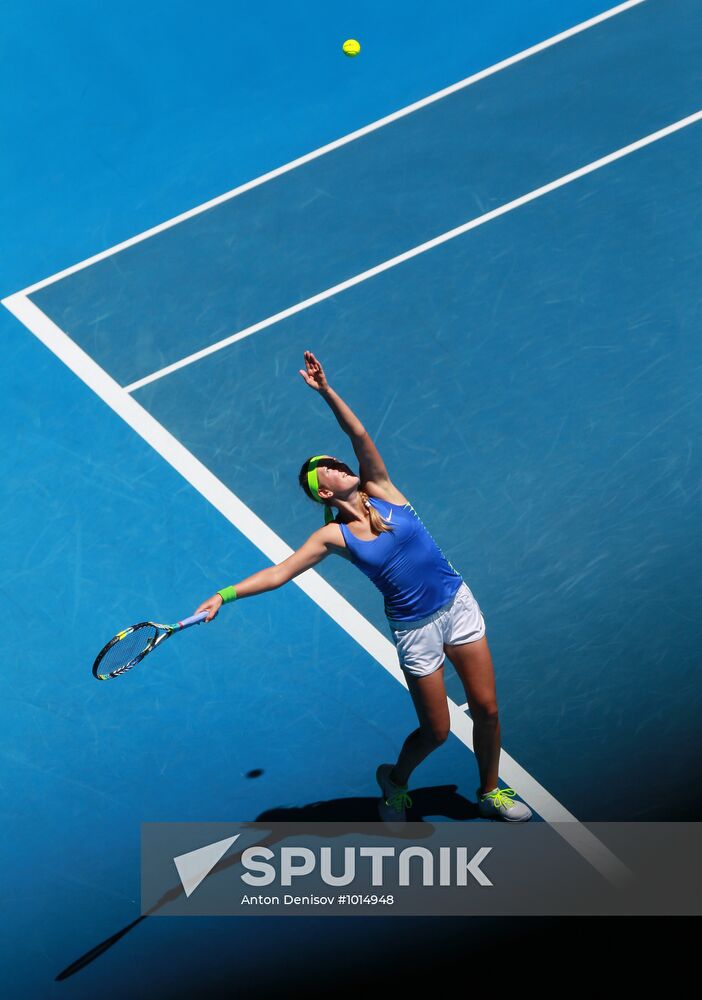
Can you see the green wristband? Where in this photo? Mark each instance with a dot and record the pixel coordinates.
(227, 594)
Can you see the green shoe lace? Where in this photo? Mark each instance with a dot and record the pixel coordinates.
(500, 797)
(399, 799)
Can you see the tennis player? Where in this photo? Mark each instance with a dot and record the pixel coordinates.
(430, 610)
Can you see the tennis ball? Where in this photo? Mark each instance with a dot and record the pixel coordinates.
(351, 47)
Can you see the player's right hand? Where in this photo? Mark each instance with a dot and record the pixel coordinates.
(211, 605)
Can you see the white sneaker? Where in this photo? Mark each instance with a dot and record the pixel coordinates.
(395, 801)
(498, 804)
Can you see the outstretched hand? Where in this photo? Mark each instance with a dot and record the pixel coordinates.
(314, 375)
(211, 606)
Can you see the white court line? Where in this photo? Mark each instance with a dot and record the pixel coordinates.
(317, 589)
(451, 234)
(337, 143)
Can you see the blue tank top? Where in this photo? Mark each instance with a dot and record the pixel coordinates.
(405, 564)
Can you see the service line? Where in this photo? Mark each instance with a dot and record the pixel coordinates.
(451, 234)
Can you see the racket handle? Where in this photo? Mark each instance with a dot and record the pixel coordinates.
(193, 620)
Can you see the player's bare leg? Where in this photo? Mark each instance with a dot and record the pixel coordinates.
(429, 697)
(473, 664)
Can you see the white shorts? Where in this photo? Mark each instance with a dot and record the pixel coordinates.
(420, 644)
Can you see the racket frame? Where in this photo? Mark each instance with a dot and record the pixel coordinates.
(165, 630)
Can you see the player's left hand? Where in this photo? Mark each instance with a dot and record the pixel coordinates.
(314, 375)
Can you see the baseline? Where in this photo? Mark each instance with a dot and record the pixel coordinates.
(337, 143)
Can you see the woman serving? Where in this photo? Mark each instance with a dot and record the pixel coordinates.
(430, 610)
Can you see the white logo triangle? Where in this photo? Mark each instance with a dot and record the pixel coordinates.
(196, 865)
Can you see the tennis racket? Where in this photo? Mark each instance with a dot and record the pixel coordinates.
(131, 646)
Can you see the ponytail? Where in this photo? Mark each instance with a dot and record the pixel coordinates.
(378, 523)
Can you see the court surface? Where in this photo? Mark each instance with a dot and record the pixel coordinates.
(502, 282)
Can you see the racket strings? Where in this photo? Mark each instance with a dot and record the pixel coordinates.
(132, 645)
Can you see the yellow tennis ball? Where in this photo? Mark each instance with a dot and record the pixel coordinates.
(351, 47)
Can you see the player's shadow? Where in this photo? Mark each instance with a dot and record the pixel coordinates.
(440, 800)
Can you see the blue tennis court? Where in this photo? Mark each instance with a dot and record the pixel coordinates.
(497, 259)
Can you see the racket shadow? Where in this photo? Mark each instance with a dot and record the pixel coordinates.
(441, 800)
